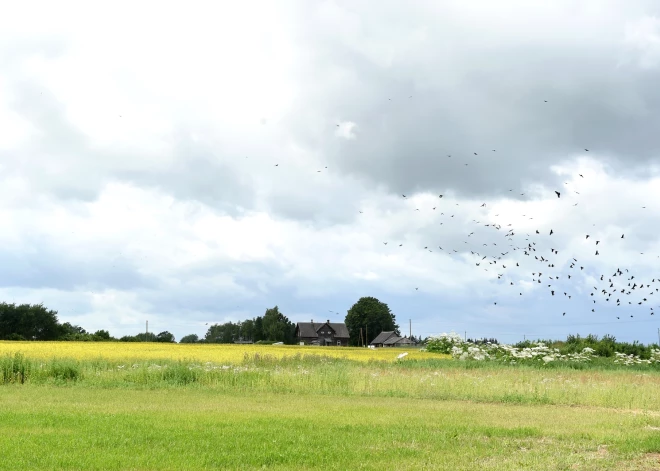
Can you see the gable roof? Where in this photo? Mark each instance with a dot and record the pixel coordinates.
(392, 340)
(404, 341)
(311, 329)
(382, 337)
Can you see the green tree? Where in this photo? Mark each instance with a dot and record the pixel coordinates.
(165, 336)
(258, 329)
(101, 335)
(372, 316)
(247, 329)
(222, 333)
(68, 329)
(277, 326)
(145, 337)
(31, 321)
(192, 338)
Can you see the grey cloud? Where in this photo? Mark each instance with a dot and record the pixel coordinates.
(61, 162)
(46, 266)
(481, 91)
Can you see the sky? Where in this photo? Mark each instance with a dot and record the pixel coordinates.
(191, 163)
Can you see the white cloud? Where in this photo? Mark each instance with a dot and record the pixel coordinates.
(139, 176)
(346, 130)
(644, 36)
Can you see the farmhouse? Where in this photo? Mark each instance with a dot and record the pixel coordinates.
(326, 333)
(391, 339)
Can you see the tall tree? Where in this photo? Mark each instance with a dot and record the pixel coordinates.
(372, 316)
(258, 329)
(222, 333)
(277, 327)
(30, 321)
(247, 329)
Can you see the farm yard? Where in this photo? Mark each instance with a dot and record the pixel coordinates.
(152, 406)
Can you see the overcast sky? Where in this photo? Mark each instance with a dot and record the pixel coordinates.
(197, 162)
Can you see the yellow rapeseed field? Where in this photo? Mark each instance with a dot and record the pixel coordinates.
(217, 353)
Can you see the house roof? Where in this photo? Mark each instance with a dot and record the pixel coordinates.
(382, 337)
(392, 340)
(406, 341)
(310, 329)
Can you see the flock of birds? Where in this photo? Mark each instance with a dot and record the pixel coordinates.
(542, 265)
(620, 287)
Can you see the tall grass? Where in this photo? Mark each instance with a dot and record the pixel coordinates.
(321, 375)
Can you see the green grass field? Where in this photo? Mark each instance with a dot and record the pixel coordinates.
(312, 412)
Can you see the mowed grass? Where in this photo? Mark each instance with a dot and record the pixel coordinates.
(308, 410)
(75, 428)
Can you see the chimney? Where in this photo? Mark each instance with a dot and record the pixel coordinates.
(328, 321)
(312, 321)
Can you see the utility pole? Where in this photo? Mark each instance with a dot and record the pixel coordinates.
(366, 335)
(466, 335)
(410, 333)
(659, 336)
(146, 337)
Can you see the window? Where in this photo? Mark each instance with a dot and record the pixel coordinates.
(339, 342)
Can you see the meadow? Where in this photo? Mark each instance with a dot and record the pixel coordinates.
(145, 406)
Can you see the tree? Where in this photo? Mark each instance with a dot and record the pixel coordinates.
(101, 335)
(247, 329)
(31, 321)
(277, 326)
(192, 338)
(222, 333)
(258, 329)
(145, 337)
(68, 329)
(372, 316)
(165, 336)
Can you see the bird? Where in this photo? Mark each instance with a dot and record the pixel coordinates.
(558, 194)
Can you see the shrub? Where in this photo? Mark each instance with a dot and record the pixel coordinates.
(444, 343)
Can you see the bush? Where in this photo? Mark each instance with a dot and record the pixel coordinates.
(443, 343)
(14, 336)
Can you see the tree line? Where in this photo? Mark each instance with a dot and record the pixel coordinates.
(367, 318)
(36, 322)
(272, 327)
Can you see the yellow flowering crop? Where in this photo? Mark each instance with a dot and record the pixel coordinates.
(217, 353)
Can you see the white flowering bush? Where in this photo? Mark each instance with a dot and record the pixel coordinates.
(538, 353)
(461, 350)
(444, 343)
(631, 359)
